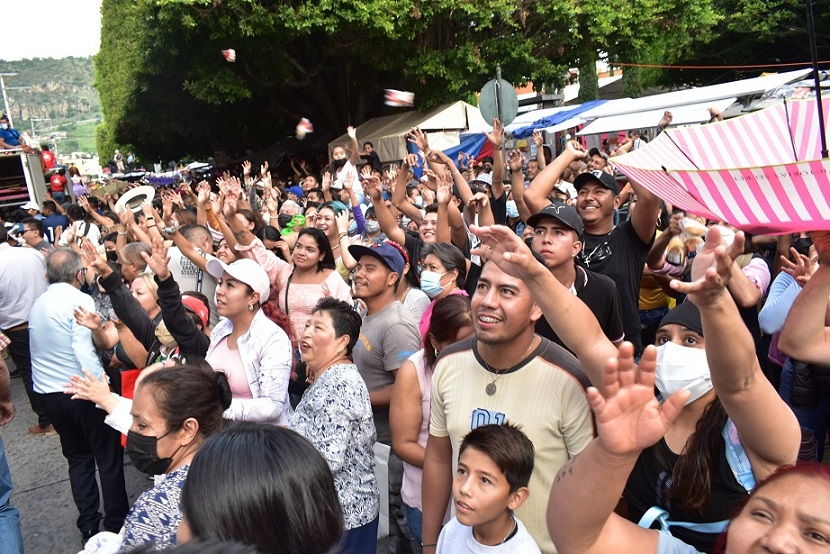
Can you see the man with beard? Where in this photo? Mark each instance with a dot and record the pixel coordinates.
(616, 251)
(504, 373)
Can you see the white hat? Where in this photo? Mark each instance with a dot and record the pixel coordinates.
(246, 271)
(134, 197)
(483, 178)
(30, 205)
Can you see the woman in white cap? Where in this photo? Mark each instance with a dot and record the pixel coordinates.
(252, 350)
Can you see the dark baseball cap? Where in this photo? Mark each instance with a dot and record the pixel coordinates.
(605, 179)
(386, 253)
(562, 212)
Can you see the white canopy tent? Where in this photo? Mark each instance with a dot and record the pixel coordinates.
(443, 125)
(682, 115)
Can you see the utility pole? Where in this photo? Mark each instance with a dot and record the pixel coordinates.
(5, 96)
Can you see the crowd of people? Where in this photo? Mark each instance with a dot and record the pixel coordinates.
(539, 355)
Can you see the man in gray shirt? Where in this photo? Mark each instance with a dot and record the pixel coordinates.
(388, 336)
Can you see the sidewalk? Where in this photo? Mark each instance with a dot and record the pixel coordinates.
(41, 483)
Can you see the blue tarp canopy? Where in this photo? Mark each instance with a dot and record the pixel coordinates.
(556, 119)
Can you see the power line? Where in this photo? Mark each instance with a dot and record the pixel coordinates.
(750, 66)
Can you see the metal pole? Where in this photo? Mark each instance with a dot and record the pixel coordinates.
(6, 98)
(814, 54)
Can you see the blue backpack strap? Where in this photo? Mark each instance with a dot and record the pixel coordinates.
(737, 458)
(661, 516)
(742, 469)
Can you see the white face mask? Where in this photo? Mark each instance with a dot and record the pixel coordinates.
(681, 367)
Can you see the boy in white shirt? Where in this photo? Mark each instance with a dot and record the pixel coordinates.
(494, 466)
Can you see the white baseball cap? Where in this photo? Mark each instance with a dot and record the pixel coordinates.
(246, 271)
(30, 205)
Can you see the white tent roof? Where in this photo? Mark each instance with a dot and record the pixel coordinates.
(669, 100)
(682, 115)
(443, 125)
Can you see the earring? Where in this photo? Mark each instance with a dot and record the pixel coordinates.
(251, 307)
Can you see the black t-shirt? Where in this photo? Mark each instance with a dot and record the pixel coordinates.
(599, 293)
(650, 481)
(620, 255)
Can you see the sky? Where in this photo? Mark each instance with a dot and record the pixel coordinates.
(50, 28)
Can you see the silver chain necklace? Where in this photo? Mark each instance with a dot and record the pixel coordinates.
(490, 389)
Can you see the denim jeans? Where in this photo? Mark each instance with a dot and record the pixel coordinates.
(11, 539)
(414, 520)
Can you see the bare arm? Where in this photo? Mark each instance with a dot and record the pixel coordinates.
(399, 199)
(405, 416)
(536, 195)
(767, 426)
(644, 218)
(585, 491)
(496, 138)
(539, 139)
(805, 336)
(354, 155)
(436, 487)
(517, 183)
(388, 222)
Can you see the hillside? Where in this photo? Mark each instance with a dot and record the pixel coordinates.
(57, 90)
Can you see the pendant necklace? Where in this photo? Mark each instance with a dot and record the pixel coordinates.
(490, 389)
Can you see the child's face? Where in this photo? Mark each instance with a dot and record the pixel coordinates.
(480, 490)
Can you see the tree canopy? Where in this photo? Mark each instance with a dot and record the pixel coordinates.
(167, 91)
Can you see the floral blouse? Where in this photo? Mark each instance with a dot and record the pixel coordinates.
(154, 518)
(335, 415)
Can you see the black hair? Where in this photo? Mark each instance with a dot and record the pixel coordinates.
(269, 232)
(200, 547)
(449, 315)
(344, 319)
(451, 258)
(327, 259)
(111, 237)
(369, 143)
(195, 232)
(35, 223)
(189, 391)
(264, 486)
(52, 207)
(431, 208)
(76, 213)
(508, 447)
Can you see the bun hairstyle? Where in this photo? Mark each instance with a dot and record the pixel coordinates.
(190, 391)
(223, 388)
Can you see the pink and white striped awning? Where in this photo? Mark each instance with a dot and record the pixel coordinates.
(761, 172)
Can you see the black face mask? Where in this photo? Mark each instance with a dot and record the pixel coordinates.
(802, 245)
(338, 164)
(112, 256)
(143, 453)
(284, 219)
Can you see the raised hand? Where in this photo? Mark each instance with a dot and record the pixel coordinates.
(538, 138)
(342, 220)
(391, 173)
(497, 135)
(515, 161)
(203, 196)
(84, 318)
(500, 245)
(351, 131)
(326, 184)
(84, 203)
(374, 188)
(159, 260)
(263, 170)
(93, 259)
(802, 269)
(576, 149)
(125, 217)
(246, 168)
(410, 160)
(629, 418)
(665, 121)
(419, 138)
(711, 269)
(443, 194)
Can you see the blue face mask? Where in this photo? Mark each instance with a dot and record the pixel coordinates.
(431, 283)
(353, 227)
(512, 210)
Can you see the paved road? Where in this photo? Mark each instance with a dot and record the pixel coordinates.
(41, 484)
